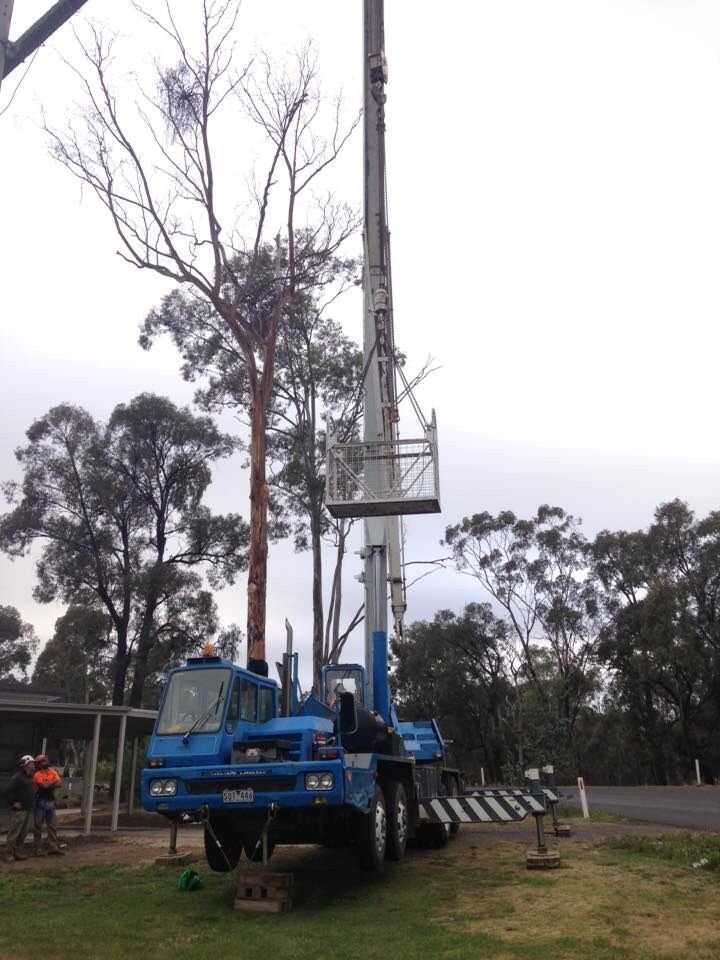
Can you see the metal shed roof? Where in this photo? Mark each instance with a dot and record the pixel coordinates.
(81, 721)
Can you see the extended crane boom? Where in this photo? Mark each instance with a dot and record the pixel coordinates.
(12, 53)
(382, 534)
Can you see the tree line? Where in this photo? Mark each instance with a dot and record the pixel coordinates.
(599, 656)
(116, 512)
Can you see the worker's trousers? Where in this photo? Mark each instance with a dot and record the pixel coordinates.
(45, 816)
(18, 829)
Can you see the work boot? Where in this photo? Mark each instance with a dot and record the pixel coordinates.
(19, 854)
(55, 851)
(39, 852)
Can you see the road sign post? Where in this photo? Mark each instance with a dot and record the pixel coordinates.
(583, 798)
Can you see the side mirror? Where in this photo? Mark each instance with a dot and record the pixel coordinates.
(348, 714)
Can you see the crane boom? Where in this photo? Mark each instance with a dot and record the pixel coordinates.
(12, 53)
(382, 534)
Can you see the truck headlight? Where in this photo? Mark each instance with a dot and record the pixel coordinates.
(163, 788)
(319, 781)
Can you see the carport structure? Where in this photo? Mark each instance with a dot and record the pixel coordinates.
(28, 722)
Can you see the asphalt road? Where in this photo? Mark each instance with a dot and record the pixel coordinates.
(696, 807)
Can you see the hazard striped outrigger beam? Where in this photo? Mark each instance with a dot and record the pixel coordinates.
(487, 806)
(551, 795)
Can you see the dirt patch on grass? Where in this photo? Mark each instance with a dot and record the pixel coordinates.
(144, 837)
(124, 848)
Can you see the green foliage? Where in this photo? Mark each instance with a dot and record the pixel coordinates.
(611, 648)
(451, 668)
(76, 660)
(317, 379)
(118, 510)
(662, 643)
(537, 571)
(17, 642)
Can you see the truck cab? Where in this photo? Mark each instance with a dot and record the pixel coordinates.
(221, 754)
(334, 772)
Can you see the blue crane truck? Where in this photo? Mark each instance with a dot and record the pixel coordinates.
(327, 770)
(260, 768)
(233, 749)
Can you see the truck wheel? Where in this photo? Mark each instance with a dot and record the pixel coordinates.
(371, 834)
(231, 844)
(397, 820)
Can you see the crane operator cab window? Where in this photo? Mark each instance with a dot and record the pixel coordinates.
(344, 680)
(194, 697)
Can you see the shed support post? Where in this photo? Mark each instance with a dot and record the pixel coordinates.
(133, 776)
(118, 773)
(92, 772)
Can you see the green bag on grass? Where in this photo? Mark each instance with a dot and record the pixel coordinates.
(189, 880)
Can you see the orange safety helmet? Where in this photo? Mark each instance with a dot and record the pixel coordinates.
(41, 760)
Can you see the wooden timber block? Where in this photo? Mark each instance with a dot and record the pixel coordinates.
(263, 892)
(562, 830)
(263, 906)
(542, 859)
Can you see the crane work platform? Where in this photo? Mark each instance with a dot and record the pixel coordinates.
(383, 478)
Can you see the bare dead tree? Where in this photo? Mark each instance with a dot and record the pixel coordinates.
(334, 640)
(154, 162)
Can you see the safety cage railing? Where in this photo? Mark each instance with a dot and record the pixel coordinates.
(385, 478)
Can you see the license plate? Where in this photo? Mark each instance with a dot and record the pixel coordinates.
(239, 796)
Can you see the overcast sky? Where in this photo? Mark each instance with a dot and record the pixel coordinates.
(554, 194)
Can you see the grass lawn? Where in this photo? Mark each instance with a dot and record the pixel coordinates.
(631, 898)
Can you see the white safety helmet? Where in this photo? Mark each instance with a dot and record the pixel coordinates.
(26, 759)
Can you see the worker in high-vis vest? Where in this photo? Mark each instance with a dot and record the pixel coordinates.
(46, 782)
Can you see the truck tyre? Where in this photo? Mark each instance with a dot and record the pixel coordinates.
(397, 820)
(231, 844)
(371, 834)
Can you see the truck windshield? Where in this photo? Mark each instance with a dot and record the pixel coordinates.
(192, 696)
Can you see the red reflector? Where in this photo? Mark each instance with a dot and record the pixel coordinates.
(318, 742)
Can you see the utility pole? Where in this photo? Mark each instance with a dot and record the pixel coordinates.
(13, 53)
